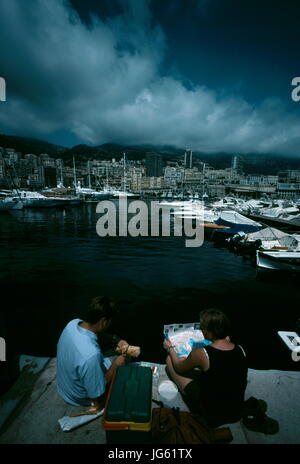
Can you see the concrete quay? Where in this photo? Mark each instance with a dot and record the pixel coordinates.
(30, 410)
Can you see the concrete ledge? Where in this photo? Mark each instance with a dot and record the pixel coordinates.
(36, 420)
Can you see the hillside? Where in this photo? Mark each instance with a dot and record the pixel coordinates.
(29, 145)
(253, 163)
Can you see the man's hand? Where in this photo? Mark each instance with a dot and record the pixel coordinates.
(97, 404)
(167, 343)
(120, 360)
(122, 346)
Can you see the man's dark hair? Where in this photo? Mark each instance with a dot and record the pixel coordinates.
(215, 322)
(101, 306)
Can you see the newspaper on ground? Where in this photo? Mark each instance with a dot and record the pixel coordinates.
(68, 423)
(185, 337)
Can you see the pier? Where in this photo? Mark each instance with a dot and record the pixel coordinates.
(31, 408)
(293, 224)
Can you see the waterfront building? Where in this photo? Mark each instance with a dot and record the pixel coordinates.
(23, 168)
(188, 159)
(3, 180)
(288, 190)
(221, 175)
(253, 191)
(134, 178)
(237, 164)
(2, 170)
(192, 177)
(259, 180)
(152, 183)
(154, 165)
(39, 172)
(50, 176)
(68, 176)
(173, 174)
(32, 160)
(36, 179)
(215, 190)
(13, 155)
(289, 176)
(47, 161)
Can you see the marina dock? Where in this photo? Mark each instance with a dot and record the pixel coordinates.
(291, 225)
(30, 410)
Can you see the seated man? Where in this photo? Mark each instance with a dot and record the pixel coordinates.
(82, 372)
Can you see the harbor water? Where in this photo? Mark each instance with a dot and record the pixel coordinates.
(53, 262)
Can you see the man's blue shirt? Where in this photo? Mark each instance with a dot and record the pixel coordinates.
(80, 365)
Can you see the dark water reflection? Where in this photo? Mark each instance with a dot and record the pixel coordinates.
(53, 262)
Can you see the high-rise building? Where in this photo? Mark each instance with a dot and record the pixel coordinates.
(47, 161)
(237, 164)
(154, 165)
(32, 160)
(13, 155)
(188, 159)
(23, 168)
(50, 176)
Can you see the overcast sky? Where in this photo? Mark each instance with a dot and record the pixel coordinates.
(211, 75)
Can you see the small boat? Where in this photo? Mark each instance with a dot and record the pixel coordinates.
(278, 260)
(10, 203)
(236, 223)
(176, 204)
(291, 340)
(128, 195)
(267, 239)
(91, 194)
(36, 200)
(63, 196)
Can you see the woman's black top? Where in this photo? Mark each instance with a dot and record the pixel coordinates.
(218, 393)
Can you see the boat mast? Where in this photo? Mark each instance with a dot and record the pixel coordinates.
(124, 174)
(203, 179)
(89, 174)
(74, 172)
(10, 175)
(107, 186)
(61, 175)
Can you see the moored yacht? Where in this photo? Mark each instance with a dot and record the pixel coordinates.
(90, 194)
(8, 203)
(278, 260)
(36, 200)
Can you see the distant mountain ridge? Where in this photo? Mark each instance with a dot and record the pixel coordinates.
(30, 145)
(253, 163)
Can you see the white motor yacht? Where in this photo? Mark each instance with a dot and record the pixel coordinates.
(35, 200)
(278, 260)
(10, 203)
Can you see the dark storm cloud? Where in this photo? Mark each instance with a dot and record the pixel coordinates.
(103, 82)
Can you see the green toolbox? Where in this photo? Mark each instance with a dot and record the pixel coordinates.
(128, 409)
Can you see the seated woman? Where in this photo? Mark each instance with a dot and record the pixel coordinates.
(212, 379)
